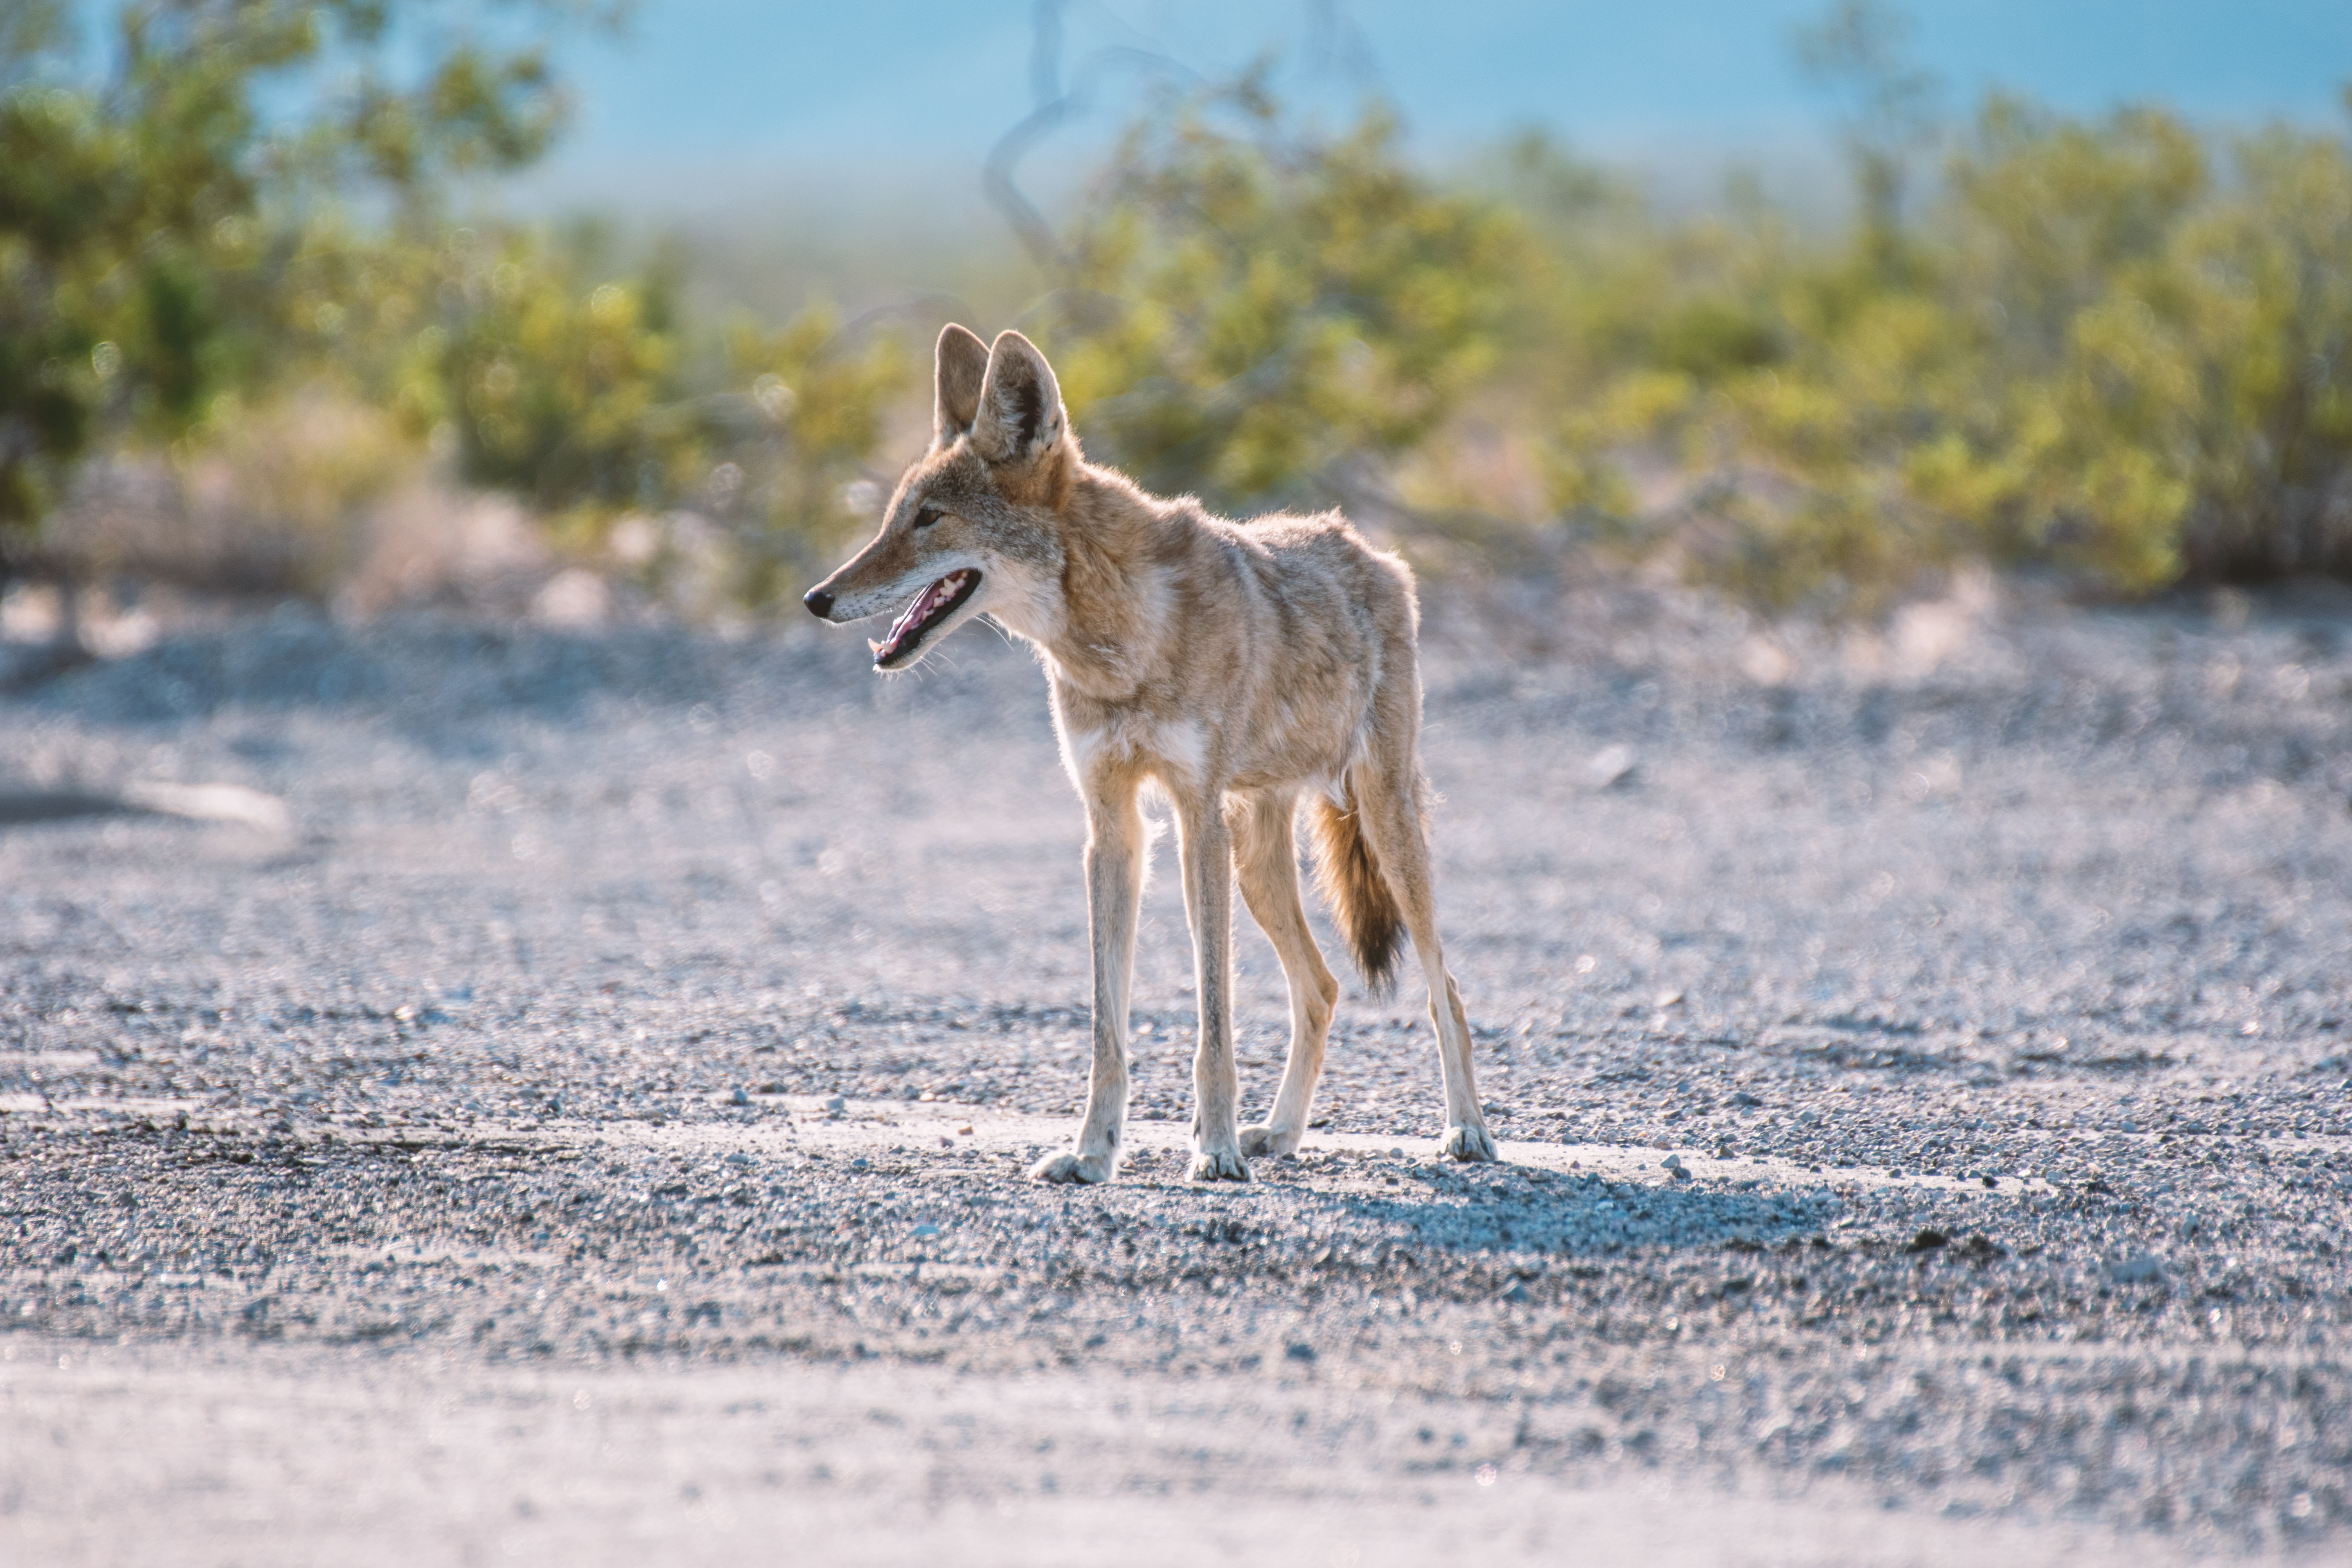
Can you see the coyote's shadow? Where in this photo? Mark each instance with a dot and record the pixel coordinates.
(1592, 1216)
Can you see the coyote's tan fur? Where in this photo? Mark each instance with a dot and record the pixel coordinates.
(1240, 666)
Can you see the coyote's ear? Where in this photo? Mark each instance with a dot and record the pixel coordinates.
(1021, 417)
(964, 363)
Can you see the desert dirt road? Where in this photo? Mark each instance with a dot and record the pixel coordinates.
(565, 1098)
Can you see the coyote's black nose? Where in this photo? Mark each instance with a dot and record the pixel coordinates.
(819, 603)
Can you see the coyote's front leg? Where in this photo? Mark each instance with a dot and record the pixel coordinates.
(1208, 859)
(1115, 847)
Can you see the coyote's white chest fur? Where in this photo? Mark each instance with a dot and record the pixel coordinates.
(1157, 745)
(1244, 668)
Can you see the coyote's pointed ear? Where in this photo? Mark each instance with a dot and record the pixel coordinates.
(963, 364)
(1021, 417)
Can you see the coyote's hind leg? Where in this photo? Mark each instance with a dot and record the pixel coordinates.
(1115, 850)
(1387, 791)
(1266, 857)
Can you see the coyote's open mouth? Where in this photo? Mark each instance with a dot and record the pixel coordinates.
(931, 607)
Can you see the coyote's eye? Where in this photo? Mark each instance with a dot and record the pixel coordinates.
(928, 516)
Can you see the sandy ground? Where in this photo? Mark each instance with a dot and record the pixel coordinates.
(565, 1098)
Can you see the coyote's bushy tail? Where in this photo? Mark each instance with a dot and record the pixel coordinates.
(1360, 897)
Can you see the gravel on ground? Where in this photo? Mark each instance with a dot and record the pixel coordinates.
(470, 1090)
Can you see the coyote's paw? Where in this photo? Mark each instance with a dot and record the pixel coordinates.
(1220, 1165)
(1469, 1144)
(1258, 1139)
(1072, 1166)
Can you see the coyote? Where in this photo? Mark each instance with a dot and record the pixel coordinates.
(1241, 666)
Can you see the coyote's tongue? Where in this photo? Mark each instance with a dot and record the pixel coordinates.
(917, 618)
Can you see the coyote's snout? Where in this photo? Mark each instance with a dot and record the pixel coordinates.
(1242, 666)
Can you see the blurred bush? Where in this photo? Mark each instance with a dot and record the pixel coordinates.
(149, 219)
(277, 305)
(559, 380)
(578, 385)
(1244, 309)
(2113, 348)
(821, 391)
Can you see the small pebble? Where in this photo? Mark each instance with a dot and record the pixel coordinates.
(1610, 766)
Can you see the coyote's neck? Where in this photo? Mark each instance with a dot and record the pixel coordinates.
(1120, 551)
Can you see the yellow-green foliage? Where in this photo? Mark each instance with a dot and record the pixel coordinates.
(178, 269)
(1243, 311)
(560, 385)
(822, 393)
(578, 388)
(2115, 346)
(2256, 307)
(146, 221)
(2107, 346)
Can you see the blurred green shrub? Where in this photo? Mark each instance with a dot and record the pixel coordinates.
(821, 393)
(561, 382)
(2111, 347)
(576, 384)
(2116, 347)
(181, 271)
(1244, 309)
(148, 220)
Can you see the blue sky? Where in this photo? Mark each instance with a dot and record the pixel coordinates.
(811, 94)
